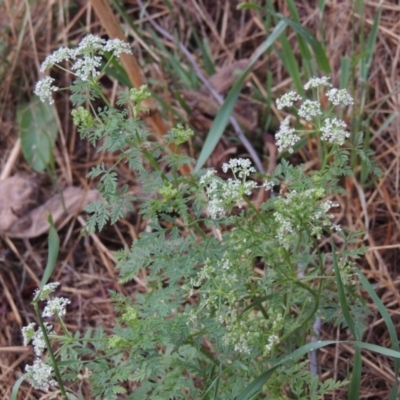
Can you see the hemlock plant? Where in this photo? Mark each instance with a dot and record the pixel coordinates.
(233, 288)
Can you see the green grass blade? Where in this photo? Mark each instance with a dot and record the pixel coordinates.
(290, 63)
(355, 383)
(223, 115)
(249, 6)
(54, 246)
(389, 324)
(319, 52)
(259, 382)
(342, 296)
(345, 71)
(304, 50)
(17, 384)
(385, 124)
(321, 6)
(371, 41)
(375, 348)
(354, 386)
(117, 71)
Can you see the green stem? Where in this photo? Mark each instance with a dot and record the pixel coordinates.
(311, 314)
(51, 353)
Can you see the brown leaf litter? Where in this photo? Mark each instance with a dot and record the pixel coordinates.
(22, 217)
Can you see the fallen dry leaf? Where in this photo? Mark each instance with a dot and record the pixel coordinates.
(18, 194)
(204, 107)
(226, 76)
(19, 222)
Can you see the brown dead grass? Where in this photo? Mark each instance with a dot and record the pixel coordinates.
(86, 265)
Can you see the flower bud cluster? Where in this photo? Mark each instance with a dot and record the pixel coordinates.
(302, 211)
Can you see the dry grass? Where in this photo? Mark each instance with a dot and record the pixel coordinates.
(86, 265)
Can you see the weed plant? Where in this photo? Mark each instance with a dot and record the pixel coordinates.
(233, 287)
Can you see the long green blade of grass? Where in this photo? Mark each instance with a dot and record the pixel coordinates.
(355, 383)
(290, 63)
(365, 61)
(389, 324)
(54, 246)
(222, 118)
(319, 52)
(342, 295)
(260, 381)
(345, 71)
(17, 384)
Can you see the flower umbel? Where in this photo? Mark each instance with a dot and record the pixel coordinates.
(333, 131)
(40, 375)
(310, 109)
(316, 82)
(285, 137)
(44, 89)
(339, 97)
(46, 291)
(287, 100)
(55, 306)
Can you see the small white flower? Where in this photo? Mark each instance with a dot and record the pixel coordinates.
(207, 177)
(268, 185)
(87, 67)
(46, 291)
(117, 46)
(38, 342)
(62, 54)
(315, 82)
(28, 332)
(287, 100)
(90, 44)
(310, 109)
(216, 208)
(55, 306)
(339, 97)
(273, 339)
(285, 137)
(241, 165)
(284, 230)
(333, 131)
(44, 89)
(327, 205)
(40, 375)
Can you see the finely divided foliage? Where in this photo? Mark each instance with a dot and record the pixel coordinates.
(232, 287)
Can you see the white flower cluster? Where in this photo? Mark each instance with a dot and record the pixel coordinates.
(310, 109)
(332, 129)
(241, 165)
(223, 195)
(56, 306)
(47, 290)
(37, 338)
(339, 97)
(44, 89)
(316, 82)
(285, 137)
(287, 100)
(86, 60)
(40, 374)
